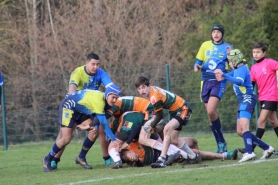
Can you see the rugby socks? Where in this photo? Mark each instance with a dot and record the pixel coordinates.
(259, 134)
(114, 154)
(247, 138)
(217, 126)
(106, 158)
(162, 158)
(87, 144)
(276, 131)
(188, 150)
(215, 134)
(259, 142)
(55, 149)
(173, 149)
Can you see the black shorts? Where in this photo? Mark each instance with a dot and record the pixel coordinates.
(269, 105)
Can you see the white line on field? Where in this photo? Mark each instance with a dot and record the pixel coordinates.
(170, 171)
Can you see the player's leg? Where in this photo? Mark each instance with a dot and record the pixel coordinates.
(67, 120)
(191, 142)
(56, 159)
(58, 145)
(114, 153)
(87, 144)
(243, 124)
(272, 118)
(216, 123)
(104, 147)
(170, 126)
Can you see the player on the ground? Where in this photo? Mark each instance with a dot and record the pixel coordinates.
(138, 155)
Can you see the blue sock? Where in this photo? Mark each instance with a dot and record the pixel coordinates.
(247, 138)
(55, 149)
(215, 134)
(259, 142)
(87, 144)
(217, 126)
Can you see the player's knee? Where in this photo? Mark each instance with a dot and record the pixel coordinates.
(66, 140)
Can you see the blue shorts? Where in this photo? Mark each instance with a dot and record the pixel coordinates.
(212, 88)
(68, 118)
(245, 111)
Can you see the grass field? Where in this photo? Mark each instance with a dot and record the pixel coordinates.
(21, 164)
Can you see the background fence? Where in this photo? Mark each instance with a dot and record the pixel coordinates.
(32, 101)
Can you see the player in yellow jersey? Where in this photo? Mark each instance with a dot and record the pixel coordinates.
(88, 76)
(212, 55)
(72, 111)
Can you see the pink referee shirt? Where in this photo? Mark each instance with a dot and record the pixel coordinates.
(264, 74)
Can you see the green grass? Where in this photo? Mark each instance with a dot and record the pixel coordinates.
(21, 164)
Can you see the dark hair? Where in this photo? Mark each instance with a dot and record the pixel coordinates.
(260, 45)
(92, 56)
(142, 80)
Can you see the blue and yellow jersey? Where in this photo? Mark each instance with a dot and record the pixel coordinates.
(242, 84)
(86, 102)
(212, 56)
(83, 80)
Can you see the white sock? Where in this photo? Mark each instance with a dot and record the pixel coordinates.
(188, 150)
(224, 155)
(173, 149)
(162, 158)
(114, 154)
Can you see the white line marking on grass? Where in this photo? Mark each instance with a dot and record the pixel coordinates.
(170, 171)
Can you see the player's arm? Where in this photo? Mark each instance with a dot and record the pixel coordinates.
(72, 88)
(105, 78)
(238, 80)
(200, 58)
(74, 81)
(198, 65)
(158, 117)
(105, 126)
(133, 134)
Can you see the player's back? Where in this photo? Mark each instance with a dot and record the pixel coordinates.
(161, 98)
(131, 103)
(87, 101)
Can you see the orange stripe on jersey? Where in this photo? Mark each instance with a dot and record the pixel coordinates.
(161, 98)
(138, 149)
(184, 112)
(140, 104)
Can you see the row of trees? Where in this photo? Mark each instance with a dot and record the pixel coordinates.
(42, 41)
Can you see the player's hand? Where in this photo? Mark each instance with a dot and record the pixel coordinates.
(197, 67)
(218, 74)
(117, 145)
(124, 146)
(229, 49)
